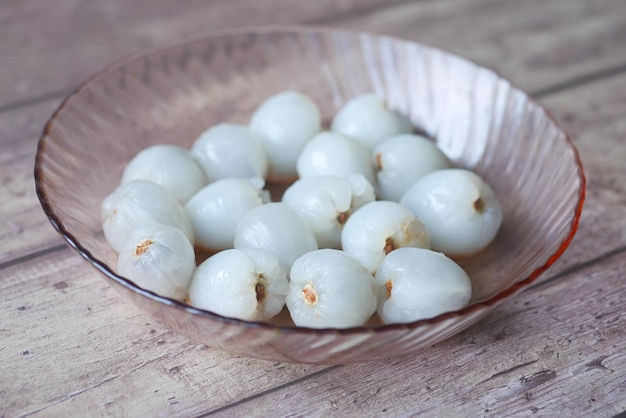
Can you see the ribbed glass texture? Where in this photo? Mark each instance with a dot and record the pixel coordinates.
(173, 93)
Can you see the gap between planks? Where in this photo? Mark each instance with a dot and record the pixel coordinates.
(31, 256)
(269, 391)
(577, 267)
(358, 12)
(581, 80)
(77, 393)
(32, 101)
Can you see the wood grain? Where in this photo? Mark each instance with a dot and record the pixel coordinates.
(535, 50)
(70, 345)
(535, 44)
(24, 229)
(517, 362)
(55, 45)
(595, 120)
(101, 356)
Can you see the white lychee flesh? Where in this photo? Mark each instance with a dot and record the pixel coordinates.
(334, 154)
(278, 228)
(415, 283)
(330, 289)
(460, 210)
(248, 284)
(325, 203)
(378, 228)
(171, 167)
(368, 119)
(401, 160)
(158, 258)
(140, 203)
(217, 208)
(230, 150)
(284, 123)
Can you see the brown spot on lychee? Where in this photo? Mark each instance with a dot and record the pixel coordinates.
(142, 247)
(389, 245)
(259, 288)
(310, 296)
(389, 287)
(479, 205)
(342, 218)
(379, 161)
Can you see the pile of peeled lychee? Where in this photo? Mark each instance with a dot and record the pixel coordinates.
(370, 222)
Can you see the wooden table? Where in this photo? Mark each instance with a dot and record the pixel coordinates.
(70, 345)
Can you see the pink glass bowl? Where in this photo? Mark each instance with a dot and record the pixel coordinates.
(173, 93)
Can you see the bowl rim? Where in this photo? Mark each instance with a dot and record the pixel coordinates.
(74, 243)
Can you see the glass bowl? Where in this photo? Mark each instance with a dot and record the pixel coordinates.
(172, 93)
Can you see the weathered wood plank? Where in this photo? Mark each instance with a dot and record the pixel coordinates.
(533, 43)
(557, 350)
(55, 45)
(23, 226)
(594, 115)
(535, 50)
(99, 355)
